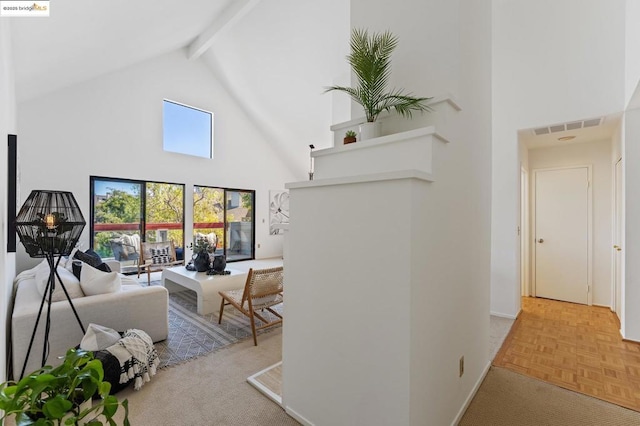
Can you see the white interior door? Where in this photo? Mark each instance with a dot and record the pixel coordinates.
(562, 234)
(617, 241)
(524, 234)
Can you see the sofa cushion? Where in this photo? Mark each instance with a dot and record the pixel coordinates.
(160, 255)
(89, 257)
(93, 281)
(99, 337)
(71, 283)
(77, 267)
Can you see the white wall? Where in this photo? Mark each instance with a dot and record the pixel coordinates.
(631, 238)
(597, 154)
(276, 61)
(449, 51)
(632, 48)
(112, 126)
(420, 65)
(7, 126)
(552, 62)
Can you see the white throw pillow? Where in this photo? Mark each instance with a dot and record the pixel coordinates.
(69, 260)
(69, 280)
(93, 281)
(99, 337)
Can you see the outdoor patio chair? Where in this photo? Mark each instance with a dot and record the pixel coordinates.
(156, 257)
(262, 290)
(126, 248)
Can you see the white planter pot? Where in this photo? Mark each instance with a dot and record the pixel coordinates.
(369, 130)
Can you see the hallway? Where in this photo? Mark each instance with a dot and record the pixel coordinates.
(577, 347)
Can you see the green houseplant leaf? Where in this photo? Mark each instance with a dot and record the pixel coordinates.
(51, 393)
(370, 61)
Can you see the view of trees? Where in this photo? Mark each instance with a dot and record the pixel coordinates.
(121, 206)
(165, 204)
(208, 207)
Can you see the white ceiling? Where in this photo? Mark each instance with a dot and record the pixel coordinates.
(273, 57)
(604, 131)
(81, 40)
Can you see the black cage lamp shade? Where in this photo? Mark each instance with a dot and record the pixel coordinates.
(49, 223)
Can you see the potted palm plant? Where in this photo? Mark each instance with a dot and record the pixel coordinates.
(370, 61)
(62, 395)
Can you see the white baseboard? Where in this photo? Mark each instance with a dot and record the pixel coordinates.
(464, 407)
(263, 389)
(298, 417)
(501, 315)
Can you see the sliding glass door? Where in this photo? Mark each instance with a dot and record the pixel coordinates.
(164, 213)
(124, 212)
(228, 213)
(116, 213)
(208, 214)
(239, 225)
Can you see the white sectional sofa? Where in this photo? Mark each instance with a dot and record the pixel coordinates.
(134, 306)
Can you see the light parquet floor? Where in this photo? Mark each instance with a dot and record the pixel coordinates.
(576, 347)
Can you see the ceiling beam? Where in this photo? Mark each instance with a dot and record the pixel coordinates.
(229, 16)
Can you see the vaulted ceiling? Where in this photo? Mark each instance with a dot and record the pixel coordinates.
(83, 40)
(274, 57)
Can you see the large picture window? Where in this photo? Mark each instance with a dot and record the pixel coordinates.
(229, 214)
(124, 212)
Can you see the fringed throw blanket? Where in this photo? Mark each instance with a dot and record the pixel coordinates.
(137, 356)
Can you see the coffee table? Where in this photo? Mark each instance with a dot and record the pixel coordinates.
(205, 286)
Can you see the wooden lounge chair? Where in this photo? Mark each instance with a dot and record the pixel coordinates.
(262, 290)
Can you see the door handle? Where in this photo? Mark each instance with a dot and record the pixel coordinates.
(617, 247)
(541, 241)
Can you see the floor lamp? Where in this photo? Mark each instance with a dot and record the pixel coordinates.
(49, 225)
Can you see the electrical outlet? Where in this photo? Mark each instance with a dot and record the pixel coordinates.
(461, 366)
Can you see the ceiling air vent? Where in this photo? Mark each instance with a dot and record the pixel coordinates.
(573, 125)
(592, 123)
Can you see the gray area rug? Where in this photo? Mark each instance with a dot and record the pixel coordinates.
(192, 335)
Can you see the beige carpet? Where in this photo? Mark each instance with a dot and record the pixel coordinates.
(508, 398)
(211, 390)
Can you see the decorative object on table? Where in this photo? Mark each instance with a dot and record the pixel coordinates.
(213, 272)
(219, 263)
(349, 137)
(311, 147)
(203, 247)
(278, 211)
(63, 394)
(201, 261)
(370, 61)
(49, 225)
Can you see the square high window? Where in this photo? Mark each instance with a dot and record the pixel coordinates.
(187, 130)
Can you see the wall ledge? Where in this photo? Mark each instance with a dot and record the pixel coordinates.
(446, 98)
(373, 177)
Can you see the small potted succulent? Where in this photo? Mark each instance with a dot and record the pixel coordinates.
(63, 395)
(349, 137)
